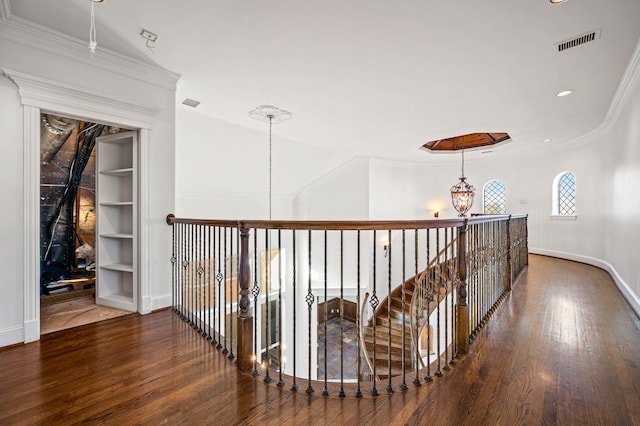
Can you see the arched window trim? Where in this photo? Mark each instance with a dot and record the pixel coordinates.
(555, 204)
(484, 198)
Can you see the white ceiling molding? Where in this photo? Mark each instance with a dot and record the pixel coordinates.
(76, 102)
(629, 79)
(22, 31)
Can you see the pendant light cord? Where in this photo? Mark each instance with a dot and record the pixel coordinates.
(270, 168)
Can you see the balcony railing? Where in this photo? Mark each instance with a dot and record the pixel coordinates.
(344, 307)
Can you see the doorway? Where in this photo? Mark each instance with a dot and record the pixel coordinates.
(68, 222)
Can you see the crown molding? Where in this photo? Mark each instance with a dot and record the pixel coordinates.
(27, 33)
(63, 98)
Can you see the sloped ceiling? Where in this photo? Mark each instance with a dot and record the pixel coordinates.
(377, 78)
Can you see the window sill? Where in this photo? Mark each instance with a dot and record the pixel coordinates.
(563, 217)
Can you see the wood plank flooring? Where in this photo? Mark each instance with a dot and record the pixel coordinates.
(563, 348)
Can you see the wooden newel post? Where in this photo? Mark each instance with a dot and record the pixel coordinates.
(462, 323)
(245, 319)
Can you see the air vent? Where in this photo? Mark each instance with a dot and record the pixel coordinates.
(190, 102)
(579, 40)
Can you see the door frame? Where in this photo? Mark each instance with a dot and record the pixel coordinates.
(37, 95)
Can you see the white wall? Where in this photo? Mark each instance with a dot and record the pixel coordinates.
(64, 62)
(11, 215)
(622, 239)
(222, 169)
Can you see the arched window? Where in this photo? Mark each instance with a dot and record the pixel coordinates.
(564, 194)
(494, 197)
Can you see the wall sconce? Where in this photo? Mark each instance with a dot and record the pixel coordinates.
(436, 214)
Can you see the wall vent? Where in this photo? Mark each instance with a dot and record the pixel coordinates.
(579, 40)
(190, 102)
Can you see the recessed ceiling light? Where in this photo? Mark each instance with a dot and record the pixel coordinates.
(564, 93)
(546, 140)
(557, 1)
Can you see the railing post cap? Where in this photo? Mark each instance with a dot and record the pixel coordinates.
(170, 218)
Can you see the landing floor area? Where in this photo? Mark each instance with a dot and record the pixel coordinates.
(562, 348)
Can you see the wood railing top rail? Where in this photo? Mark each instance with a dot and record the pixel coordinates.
(345, 225)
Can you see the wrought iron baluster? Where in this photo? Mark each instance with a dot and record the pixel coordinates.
(225, 298)
(309, 299)
(389, 388)
(341, 393)
(447, 288)
(325, 390)
(280, 283)
(358, 319)
(294, 386)
(256, 294)
(429, 287)
(374, 304)
(219, 278)
(438, 291)
(453, 273)
(417, 302)
(267, 290)
(403, 385)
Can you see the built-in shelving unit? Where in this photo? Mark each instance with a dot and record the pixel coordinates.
(117, 248)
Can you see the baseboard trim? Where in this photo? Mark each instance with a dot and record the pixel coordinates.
(160, 302)
(622, 285)
(11, 336)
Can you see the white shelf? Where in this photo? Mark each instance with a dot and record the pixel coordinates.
(120, 236)
(121, 267)
(118, 172)
(117, 194)
(117, 203)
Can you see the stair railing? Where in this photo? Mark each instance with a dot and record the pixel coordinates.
(252, 289)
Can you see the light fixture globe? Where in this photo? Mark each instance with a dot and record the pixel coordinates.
(462, 195)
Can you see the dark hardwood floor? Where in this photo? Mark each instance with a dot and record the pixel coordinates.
(563, 348)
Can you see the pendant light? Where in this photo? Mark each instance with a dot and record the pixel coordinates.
(462, 193)
(272, 115)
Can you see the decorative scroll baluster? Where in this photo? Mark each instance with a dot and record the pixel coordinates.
(224, 288)
(256, 294)
(309, 299)
(219, 278)
(211, 282)
(191, 264)
(358, 319)
(294, 386)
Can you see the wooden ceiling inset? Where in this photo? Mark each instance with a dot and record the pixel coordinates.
(472, 140)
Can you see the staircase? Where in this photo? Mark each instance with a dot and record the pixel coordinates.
(382, 335)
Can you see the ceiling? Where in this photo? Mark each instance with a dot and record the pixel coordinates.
(377, 78)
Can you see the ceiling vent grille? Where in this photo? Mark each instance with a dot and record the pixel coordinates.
(190, 102)
(579, 40)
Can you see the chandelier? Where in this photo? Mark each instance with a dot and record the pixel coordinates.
(272, 115)
(462, 193)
